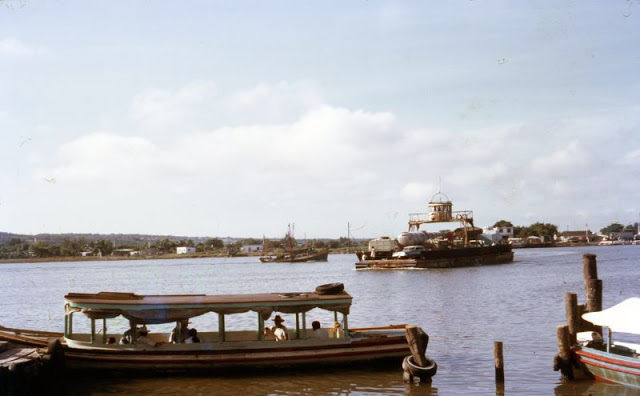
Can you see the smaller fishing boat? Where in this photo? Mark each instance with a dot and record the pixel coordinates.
(294, 253)
(615, 362)
(218, 349)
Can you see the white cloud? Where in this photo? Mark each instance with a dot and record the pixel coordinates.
(568, 159)
(158, 108)
(108, 157)
(14, 48)
(417, 191)
(352, 162)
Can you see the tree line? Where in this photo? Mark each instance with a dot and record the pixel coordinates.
(549, 230)
(15, 248)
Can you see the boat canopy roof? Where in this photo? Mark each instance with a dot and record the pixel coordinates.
(623, 318)
(155, 309)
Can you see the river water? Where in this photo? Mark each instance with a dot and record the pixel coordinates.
(464, 311)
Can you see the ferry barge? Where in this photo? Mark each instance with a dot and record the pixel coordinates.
(416, 249)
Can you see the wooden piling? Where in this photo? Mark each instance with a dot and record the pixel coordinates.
(418, 341)
(573, 320)
(498, 361)
(592, 288)
(589, 266)
(592, 285)
(562, 360)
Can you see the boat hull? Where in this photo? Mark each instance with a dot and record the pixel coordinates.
(77, 359)
(447, 258)
(216, 356)
(609, 367)
(301, 258)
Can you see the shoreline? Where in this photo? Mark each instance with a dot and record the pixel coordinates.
(172, 256)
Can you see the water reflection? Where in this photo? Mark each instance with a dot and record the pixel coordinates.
(591, 388)
(372, 381)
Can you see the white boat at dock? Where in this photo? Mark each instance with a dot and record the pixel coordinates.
(616, 362)
(221, 349)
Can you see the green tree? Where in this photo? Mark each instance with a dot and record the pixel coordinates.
(14, 248)
(214, 243)
(72, 247)
(102, 246)
(43, 249)
(543, 229)
(319, 244)
(503, 223)
(166, 245)
(536, 229)
(613, 227)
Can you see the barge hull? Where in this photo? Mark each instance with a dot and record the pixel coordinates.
(450, 258)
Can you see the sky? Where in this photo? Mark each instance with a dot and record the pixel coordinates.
(212, 118)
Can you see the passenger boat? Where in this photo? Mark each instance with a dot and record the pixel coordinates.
(618, 362)
(224, 348)
(417, 249)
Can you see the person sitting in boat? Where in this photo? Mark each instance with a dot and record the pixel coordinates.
(337, 331)
(278, 330)
(127, 337)
(184, 329)
(316, 333)
(143, 338)
(192, 337)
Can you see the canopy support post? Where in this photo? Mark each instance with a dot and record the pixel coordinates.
(66, 324)
(304, 324)
(335, 316)
(297, 326)
(93, 331)
(70, 324)
(221, 332)
(608, 339)
(260, 327)
(345, 325)
(134, 331)
(104, 330)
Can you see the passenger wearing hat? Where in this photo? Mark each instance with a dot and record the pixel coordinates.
(279, 330)
(143, 339)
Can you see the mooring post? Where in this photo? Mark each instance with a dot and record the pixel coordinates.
(592, 286)
(562, 360)
(498, 361)
(573, 320)
(418, 341)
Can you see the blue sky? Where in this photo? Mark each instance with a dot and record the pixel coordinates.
(237, 118)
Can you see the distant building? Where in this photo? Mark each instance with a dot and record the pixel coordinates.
(122, 252)
(576, 236)
(497, 234)
(185, 250)
(251, 248)
(626, 235)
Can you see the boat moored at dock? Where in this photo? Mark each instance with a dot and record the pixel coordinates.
(224, 348)
(614, 362)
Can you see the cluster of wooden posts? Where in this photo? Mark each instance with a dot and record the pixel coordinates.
(31, 371)
(566, 334)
